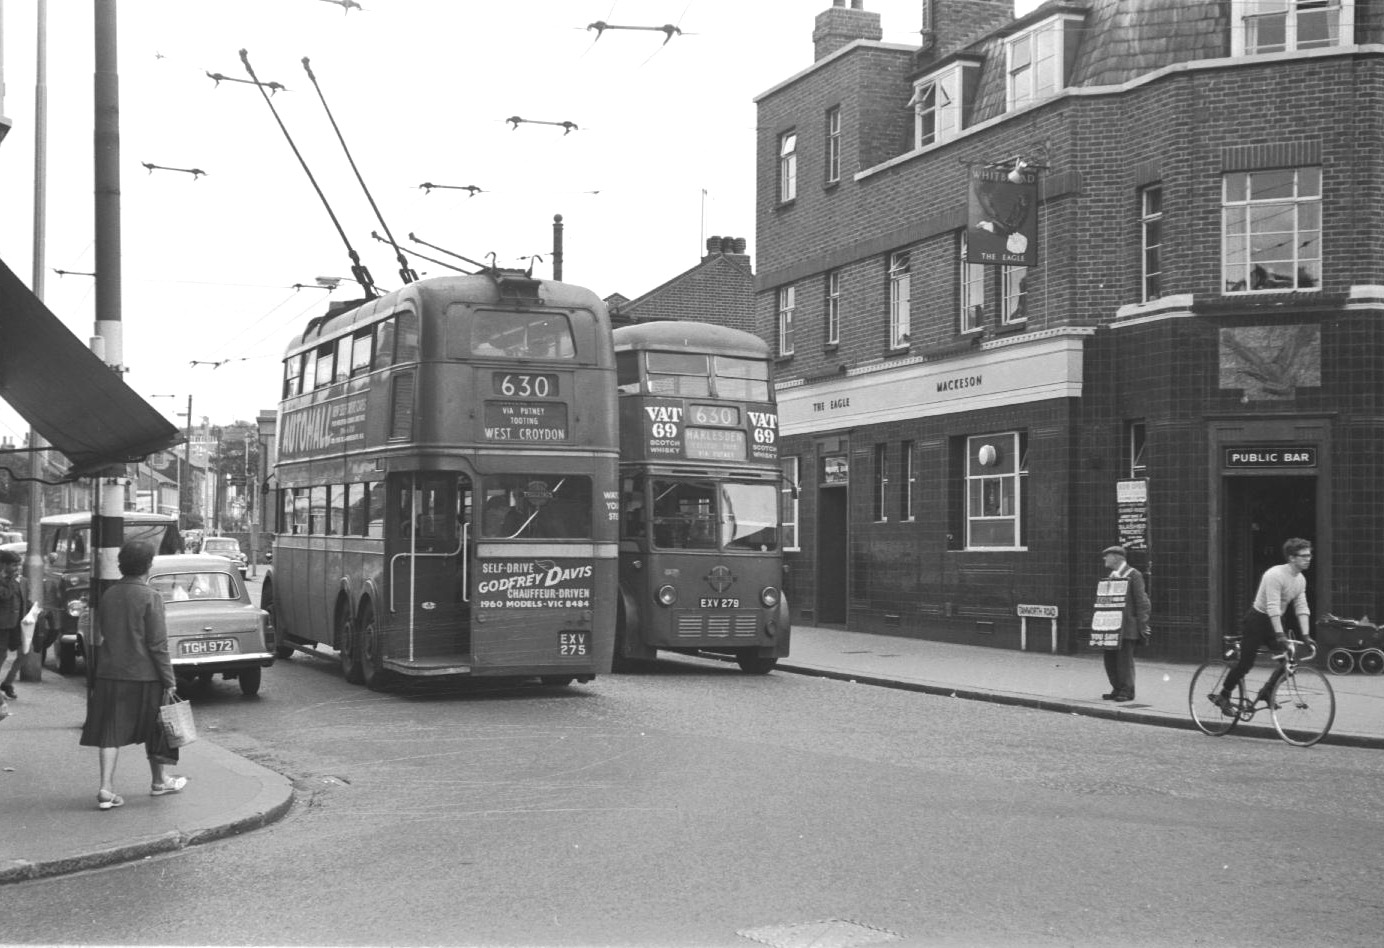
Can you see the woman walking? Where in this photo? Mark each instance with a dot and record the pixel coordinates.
(134, 675)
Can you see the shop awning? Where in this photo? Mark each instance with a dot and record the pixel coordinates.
(67, 393)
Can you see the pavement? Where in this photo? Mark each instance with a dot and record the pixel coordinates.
(48, 781)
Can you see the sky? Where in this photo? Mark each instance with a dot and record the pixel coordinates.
(219, 270)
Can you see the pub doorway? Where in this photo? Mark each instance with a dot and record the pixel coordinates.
(831, 555)
(1261, 512)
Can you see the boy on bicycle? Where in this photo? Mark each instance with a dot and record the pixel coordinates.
(1262, 625)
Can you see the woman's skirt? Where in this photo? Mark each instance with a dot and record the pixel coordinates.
(127, 712)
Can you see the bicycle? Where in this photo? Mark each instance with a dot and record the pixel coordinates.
(1297, 696)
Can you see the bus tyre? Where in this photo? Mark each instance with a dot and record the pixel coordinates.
(273, 633)
(250, 681)
(752, 664)
(371, 654)
(348, 647)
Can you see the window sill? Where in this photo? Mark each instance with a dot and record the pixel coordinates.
(785, 205)
(831, 185)
(830, 346)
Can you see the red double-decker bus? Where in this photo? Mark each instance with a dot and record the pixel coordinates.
(446, 483)
(700, 563)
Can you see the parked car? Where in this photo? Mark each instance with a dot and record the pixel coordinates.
(229, 547)
(65, 545)
(10, 537)
(213, 628)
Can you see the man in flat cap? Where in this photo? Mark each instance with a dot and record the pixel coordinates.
(1134, 626)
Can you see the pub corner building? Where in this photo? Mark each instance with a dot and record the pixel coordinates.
(1109, 272)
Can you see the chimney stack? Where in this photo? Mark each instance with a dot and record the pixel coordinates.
(839, 26)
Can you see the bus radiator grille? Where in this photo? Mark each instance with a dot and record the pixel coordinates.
(737, 625)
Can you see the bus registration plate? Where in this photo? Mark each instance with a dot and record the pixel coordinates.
(571, 643)
(206, 646)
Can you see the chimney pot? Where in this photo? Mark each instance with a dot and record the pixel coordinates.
(739, 245)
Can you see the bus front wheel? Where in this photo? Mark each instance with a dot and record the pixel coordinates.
(348, 647)
(752, 664)
(276, 635)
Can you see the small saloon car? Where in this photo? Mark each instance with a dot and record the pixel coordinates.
(212, 627)
(229, 547)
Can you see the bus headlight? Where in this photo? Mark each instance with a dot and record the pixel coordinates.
(769, 597)
(76, 607)
(667, 595)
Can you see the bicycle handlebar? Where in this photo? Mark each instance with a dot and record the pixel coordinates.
(1309, 652)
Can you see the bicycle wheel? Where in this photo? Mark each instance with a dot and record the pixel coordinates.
(1207, 681)
(1303, 706)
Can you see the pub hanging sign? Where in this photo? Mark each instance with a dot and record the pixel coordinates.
(1002, 217)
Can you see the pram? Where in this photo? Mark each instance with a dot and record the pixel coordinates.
(1351, 644)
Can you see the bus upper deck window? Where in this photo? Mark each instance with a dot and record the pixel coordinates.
(627, 372)
(343, 359)
(361, 344)
(293, 375)
(679, 373)
(742, 378)
(384, 343)
(322, 372)
(522, 336)
(406, 337)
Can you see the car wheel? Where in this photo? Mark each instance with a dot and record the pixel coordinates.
(66, 653)
(250, 680)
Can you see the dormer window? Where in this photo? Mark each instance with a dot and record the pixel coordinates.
(937, 104)
(1036, 61)
(1279, 26)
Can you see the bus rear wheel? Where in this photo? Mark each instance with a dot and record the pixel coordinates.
(371, 656)
(752, 664)
(348, 647)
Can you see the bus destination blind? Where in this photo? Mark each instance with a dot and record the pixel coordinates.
(531, 422)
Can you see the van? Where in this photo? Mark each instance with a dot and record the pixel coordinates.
(65, 545)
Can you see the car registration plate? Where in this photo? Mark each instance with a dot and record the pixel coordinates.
(572, 643)
(206, 646)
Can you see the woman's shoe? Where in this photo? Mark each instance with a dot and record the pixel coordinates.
(170, 785)
(105, 800)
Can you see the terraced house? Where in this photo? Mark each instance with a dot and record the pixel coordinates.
(1108, 272)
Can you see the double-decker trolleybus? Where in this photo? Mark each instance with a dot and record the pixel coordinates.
(446, 483)
(700, 563)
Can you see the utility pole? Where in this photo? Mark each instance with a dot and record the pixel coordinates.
(109, 533)
(33, 565)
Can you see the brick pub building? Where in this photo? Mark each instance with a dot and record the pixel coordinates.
(1193, 363)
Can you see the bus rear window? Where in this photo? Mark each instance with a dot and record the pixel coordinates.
(512, 336)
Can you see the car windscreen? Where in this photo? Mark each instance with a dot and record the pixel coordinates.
(181, 587)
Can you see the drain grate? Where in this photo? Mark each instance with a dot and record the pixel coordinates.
(829, 933)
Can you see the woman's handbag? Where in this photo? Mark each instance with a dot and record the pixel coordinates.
(175, 718)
